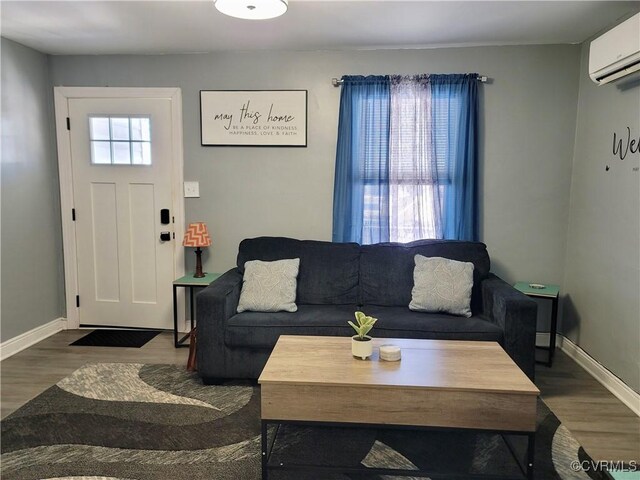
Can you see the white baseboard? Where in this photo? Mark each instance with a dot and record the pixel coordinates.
(26, 339)
(610, 381)
(542, 339)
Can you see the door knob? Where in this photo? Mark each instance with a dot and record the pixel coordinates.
(165, 236)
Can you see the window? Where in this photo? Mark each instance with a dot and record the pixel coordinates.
(406, 159)
(419, 166)
(120, 140)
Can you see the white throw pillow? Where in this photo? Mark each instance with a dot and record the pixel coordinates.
(442, 285)
(269, 286)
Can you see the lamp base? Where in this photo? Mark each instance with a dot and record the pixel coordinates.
(198, 273)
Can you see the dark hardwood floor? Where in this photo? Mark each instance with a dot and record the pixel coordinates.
(605, 427)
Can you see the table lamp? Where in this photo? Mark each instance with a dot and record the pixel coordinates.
(197, 236)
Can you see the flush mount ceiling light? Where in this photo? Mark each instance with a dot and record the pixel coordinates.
(252, 9)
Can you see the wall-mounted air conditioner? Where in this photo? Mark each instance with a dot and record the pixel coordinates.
(616, 53)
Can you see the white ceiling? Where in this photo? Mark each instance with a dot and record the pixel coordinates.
(146, 27)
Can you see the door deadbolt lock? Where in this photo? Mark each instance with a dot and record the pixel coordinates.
(165, 236)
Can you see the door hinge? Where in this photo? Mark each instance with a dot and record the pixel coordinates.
(77, 301)
(68, 123)
(73, 214)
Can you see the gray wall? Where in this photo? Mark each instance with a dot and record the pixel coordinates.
(528, 127)
(32, 278)
(602, 280)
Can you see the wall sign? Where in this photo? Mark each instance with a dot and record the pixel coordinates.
(623, 145)
(253, 118)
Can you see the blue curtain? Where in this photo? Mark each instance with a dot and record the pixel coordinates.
(362, 162)
(455, 111)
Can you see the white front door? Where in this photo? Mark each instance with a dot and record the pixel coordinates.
(122, 178)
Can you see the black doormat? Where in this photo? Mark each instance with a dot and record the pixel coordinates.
(116, 338)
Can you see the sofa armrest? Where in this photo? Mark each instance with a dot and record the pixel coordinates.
(516, 314)
(215, 305)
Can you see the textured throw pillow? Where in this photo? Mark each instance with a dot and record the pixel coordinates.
(442, 285)
(269, 286)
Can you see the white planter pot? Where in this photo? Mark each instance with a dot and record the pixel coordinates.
(361, 348)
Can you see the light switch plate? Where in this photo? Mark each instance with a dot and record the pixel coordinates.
(191, 189)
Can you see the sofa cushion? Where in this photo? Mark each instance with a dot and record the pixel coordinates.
(401, 322)
(269, 286)
(261, 330)
(386, 269)
(328, 271)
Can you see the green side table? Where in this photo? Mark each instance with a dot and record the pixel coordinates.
(190, 282)
(549, 292)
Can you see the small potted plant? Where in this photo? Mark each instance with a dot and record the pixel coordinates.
(361, 343)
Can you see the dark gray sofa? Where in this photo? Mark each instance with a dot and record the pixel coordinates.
(335, 280)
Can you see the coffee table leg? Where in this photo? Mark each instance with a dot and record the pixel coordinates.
(265, 456)
(531, 450)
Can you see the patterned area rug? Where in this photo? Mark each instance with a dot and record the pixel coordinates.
(149, 422)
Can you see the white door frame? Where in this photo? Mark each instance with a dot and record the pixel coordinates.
(62, 95)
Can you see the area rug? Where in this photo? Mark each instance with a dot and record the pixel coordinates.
(148, 422)
(116, 338)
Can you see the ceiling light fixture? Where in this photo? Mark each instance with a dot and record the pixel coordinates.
(252, 9)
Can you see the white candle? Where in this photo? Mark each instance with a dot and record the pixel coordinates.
(390, 353)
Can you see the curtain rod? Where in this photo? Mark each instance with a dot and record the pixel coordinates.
(336, 82)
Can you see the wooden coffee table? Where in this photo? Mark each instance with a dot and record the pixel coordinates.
(439, 384)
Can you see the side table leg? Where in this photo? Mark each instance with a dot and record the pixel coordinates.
(191, 306)
(175, 316)
(554, 329)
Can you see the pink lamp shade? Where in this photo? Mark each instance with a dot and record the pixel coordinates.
(197, 236)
